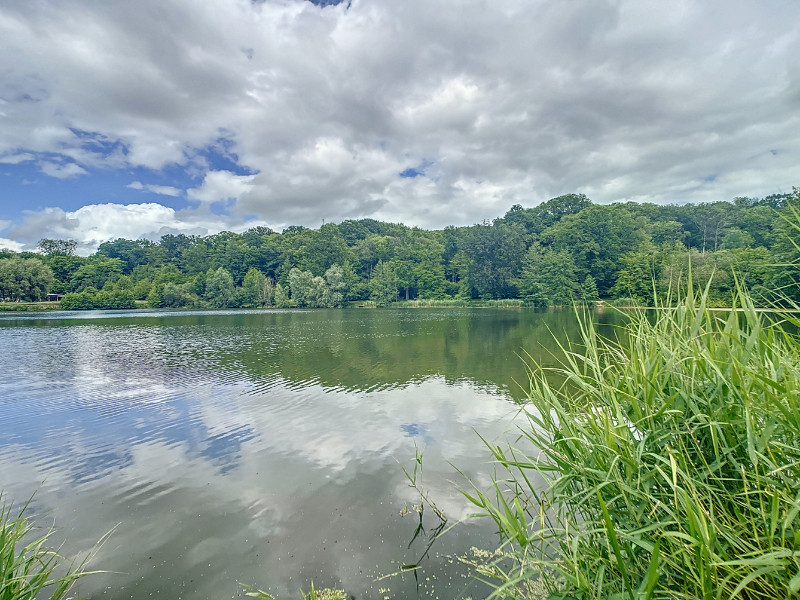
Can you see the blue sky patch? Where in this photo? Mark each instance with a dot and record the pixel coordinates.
(26, 186)
(417, 171)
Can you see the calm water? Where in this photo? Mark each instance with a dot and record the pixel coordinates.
(260, 447)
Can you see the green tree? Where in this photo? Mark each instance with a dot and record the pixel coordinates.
(50, 247)
(493, 256)
(256, 289)
(548, 277)
(597, 238)
(319, 294)
(78, 300)
(142, 288)
(220, 291)
(95, 272)
(736, 238)
(131, 252)
(383, 285)
(24, 279)
(337, 287)
(63, 268)
(637, 276)
(589, 293)
(173, 295)
(281, 297)
(537, 219)
(301, 287)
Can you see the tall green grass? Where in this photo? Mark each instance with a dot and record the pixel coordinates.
(666, 465)
(29, 568)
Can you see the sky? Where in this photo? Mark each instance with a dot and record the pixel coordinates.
(137, 119)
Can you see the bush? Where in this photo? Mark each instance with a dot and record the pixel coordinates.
(664, 466)
(90, 299)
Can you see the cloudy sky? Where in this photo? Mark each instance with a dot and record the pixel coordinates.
(134, 119)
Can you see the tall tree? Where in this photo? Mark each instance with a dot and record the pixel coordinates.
(95, 272)
(548, 277)
(24, 279)
(494, 256)
(383, 285)
(256, 289)
(220, 291)
(50, 247)
(597, 237)
(337, 287)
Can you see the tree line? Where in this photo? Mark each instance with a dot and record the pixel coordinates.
(563, 250)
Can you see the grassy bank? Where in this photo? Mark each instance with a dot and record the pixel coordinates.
(28, 306)
(457, 303)
(671, 464)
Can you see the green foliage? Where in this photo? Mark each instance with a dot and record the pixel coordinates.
(537, 219)
(220, 291)
(588, 291)
(623, 248)
(173, 295)
(337, 287)
(637, 276)
(666, 465)
(95, 272)
(317, 292)
(132, 253)
(50, 247)
(142, 288)
(548, 277)
(29, 569)
(24, 279)
(257, 289)
(383, 285)
(106, 299)
(597, 238)
(302, 287)
(493, 259)
(281, 297)
(63, 268)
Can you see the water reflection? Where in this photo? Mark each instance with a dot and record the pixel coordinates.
(257, 447)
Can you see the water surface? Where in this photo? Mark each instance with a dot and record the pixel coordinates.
(261, 447)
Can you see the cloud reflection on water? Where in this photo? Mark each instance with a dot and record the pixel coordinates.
(171, 432)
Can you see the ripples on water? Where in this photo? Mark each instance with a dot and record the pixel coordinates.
(256, 447)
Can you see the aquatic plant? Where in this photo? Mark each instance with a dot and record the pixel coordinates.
(666, 465)
(29, 568)
(312, 594)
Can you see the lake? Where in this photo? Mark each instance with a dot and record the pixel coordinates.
(262, 447)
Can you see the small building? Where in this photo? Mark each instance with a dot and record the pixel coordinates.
(54, 297)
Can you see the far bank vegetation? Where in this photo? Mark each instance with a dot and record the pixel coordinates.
(564, 250)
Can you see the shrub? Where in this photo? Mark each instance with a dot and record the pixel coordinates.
(90, 299)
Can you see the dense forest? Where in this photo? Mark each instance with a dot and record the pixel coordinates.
(563, 250)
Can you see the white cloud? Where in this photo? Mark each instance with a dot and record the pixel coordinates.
(94, 224)
(164, 190)
(62, 171)
(514, 102)
(15, 159)
(218, 186)
(5, 243)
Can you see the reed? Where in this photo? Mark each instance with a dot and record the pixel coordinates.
(666, 465)
(29, 568)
